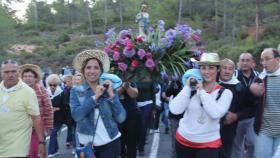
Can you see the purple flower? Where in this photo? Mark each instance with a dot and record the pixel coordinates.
(107, 50)
(166, 42)
(122, 66)
(163, 75)
(149, 55)
(171, 33)
(116, 56)
(110, 33)
(124, 34)
(141, 53)
(174, 78)
(97, 43)
(128, 52)
(150, 63)
(153, 47)
(161, 24)
(190, 65)
(151, 29)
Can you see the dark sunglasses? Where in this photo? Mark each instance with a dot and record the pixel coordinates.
(53, 85)
(9, 62)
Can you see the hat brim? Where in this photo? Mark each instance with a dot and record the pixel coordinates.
(34, 68)
(208, 63)
(88, 54)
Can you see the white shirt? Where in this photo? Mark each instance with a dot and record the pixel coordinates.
(101, 135)
(212, 110)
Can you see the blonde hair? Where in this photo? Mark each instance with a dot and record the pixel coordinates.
(227, 61)
(53, 78)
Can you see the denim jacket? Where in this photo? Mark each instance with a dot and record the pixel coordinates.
(82, 110)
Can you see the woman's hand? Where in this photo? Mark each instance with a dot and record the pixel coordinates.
(109, 86)
(99, 91)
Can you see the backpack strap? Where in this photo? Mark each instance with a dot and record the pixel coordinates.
(220, 92)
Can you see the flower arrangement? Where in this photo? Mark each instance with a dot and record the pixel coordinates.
(160, 53)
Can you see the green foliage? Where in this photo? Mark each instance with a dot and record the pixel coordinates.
(272, 29)
(64, 37)
(7, 28)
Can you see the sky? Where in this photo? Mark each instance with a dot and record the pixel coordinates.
(21, 7)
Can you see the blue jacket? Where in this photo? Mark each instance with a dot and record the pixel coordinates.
(82, 110)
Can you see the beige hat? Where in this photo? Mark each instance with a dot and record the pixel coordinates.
(209, 59)
(32, 67)
(93, 53)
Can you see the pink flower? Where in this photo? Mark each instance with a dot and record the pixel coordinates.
(116, 56)
(129, 45)
(141, 53)
(128, 53)
(122, 66)
(134, 63)
(148, 55)
(139, 39)
(150, 63)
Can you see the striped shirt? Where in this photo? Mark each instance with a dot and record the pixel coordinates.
(45, 106)
(271, 117)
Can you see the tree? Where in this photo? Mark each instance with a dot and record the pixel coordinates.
(216, 16)
(257, 19)
(180, 2)
(121, 12)
(7, 28)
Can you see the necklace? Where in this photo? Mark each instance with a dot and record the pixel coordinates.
(212, 87)
(201, 118)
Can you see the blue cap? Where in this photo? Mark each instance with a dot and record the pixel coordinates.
(195, 73)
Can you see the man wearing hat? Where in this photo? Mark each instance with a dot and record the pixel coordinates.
(32, 75)
(19, 110)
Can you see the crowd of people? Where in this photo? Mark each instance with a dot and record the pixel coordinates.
(220, 110)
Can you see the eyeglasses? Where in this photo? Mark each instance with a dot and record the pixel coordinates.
(9, 62)
(266, 60)
(52, 85)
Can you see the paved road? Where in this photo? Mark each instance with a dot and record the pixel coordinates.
(158, 145)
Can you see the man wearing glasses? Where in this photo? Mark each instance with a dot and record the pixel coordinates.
(245, 132)
(267, 123)
(19, 110)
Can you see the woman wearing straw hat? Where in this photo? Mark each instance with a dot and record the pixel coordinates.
(95, 106)
(198, 134)
(32, 75)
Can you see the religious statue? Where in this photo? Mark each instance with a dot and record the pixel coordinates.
(142, 18)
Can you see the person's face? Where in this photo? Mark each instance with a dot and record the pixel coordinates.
(92, 71)
(209, 72)
(144, 8)
(53, 85)
(29, 78)
(246, 62)
(269, 63)
(10, 74)
(226, 71)
(68, 81)
(78, 80)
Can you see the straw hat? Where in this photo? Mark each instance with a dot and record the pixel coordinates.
(34, 68)
(209, 59)
(94, 53)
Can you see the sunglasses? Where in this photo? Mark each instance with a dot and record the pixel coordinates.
(52, 85)
(9, 62)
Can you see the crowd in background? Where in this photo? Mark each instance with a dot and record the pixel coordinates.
(221, 110)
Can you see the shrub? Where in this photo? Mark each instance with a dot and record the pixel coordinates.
(64, 37)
